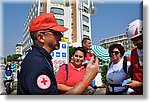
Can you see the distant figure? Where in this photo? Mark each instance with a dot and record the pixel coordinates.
(8, 69)
(86, 43)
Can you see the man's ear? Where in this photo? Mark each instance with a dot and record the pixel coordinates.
(83, 44)
(40, 38)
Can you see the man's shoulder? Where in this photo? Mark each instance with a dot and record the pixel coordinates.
(33, 59)
(134, 49)
(34, 55)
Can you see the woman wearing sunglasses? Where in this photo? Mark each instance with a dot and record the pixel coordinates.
(116, 73)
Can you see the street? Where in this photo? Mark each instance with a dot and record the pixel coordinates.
(14, 89)
(99, 91)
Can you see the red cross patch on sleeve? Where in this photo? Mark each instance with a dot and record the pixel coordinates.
(43, 82)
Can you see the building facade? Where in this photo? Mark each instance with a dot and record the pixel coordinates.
(73, 14)
(122, 38)
(19, 47)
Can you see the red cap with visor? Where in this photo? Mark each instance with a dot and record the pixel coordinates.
(46, 21)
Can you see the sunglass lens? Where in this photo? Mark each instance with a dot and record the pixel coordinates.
(116, 52)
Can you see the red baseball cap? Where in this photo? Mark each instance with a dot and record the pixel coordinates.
(46, 21)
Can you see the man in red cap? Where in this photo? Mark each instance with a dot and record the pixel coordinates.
(36, 75)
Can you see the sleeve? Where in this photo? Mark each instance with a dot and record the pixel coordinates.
(92, 54)
(128, 65)
(38, 80)
(61, 75)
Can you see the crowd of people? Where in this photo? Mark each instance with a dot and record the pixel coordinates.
(36, 76)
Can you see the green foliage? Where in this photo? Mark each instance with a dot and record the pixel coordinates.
(103, 73)
(71, 51)
(13, 57)
(9, 58)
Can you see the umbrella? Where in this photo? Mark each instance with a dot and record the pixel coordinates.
(100, 52)
(127, 53)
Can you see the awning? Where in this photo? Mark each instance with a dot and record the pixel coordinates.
(100, 52)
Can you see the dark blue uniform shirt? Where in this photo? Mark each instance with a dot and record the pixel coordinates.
(36, 75)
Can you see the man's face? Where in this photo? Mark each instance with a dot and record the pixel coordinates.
(52, 39)
(138, 41)
(58, 36)
(87, 45)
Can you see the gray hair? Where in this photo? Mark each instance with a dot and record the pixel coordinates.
(33, 36)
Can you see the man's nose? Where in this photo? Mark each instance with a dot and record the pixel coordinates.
(59, 38)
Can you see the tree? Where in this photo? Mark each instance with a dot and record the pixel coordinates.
(9, 58)
(71, 51)
(13, 57)
(103, 73)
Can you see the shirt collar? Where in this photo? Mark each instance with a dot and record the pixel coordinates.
(42, 51)
(72, 67)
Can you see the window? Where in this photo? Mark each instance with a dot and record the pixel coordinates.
(41, 12)
(85, 9)
(85, 1)
(85, 36)
(57, 2)
(57, 11)
(42, 6)
(120, 37)
(60, 22)
(85, 18)
(85, 28)
(67, 3)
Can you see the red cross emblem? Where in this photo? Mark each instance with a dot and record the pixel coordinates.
(43, 82)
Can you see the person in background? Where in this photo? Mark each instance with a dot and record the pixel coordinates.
(8, 69)
(116, 74)
(86, 43)
(68, 78)
(8, 66)
(134, 32)
(8, 76)
(37, 75)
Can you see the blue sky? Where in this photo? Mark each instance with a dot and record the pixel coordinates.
(14, 15)
(110, 19)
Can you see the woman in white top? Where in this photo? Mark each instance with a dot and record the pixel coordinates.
(116, 74)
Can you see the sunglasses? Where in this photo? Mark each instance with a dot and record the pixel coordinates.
(57, 33)
(115, 52)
